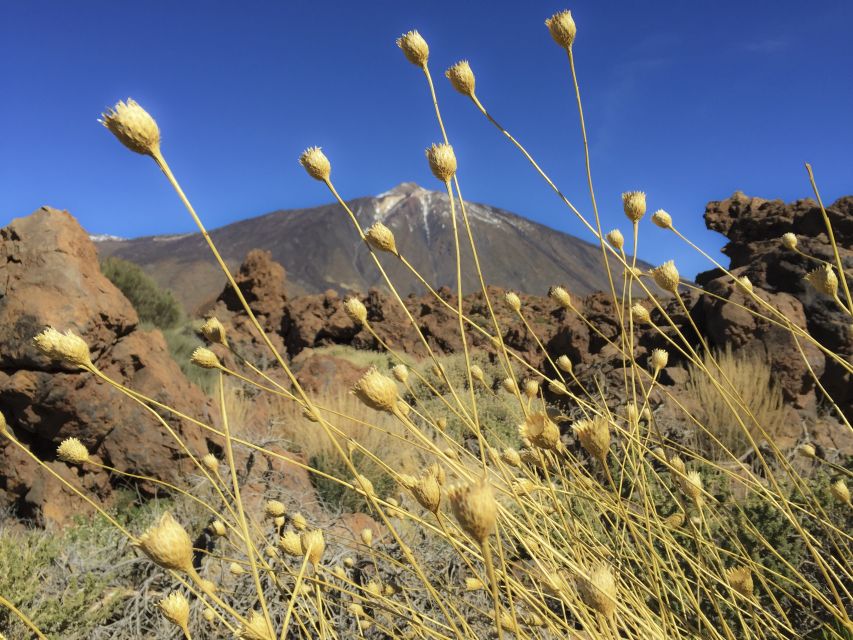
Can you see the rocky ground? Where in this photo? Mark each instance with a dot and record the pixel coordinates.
(49, 275)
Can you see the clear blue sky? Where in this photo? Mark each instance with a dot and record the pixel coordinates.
(688, 101)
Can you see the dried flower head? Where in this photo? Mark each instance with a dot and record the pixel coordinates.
(745, 284)
(558, 388)
(316, 163)
(377, 391)
(176, 609)
(677, 465)
(236, 569)
(209, 614)
(594, 436)
(511, 457)
(640, 314)
(789, 241)
(363, 482)
(427, 492)
(217, 528)
(563, 28)
(290, 543)
(510, 386)
(473, 584)
(840, 491)
(356, 311)
(662, 219)
(168, 545)
(475, 509)
(634, 205)
(824, 280)
(659, 359)
(299, 522)
(598, 590)
(381, 238)
(414, 47)
(313, 545)
(531, 388)
(401, 372)
(4, 426)
(691, 485)
(462, 78)
(214, 332)
(808, 450)
(204, 358)
(68, 347)
(210, 463)
(674, 520)
(442, 161)
(72, 451)
(540, 431)
(561, 297)
(666, 276)
(616, 239)
(255, 628)
(274, 509)
(366, 536)
(133, 127)
(740, 579)
(513, 301)
(564, 364)
(477, 373)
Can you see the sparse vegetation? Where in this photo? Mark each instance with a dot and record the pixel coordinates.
(509, 498)
(153, 305)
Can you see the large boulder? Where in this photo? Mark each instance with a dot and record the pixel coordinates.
(49, 276)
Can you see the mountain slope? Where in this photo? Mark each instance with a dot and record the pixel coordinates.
(320, 249)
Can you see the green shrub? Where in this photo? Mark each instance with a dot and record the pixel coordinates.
(153, 304)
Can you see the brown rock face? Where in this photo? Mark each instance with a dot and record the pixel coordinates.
(49, 275)
(754, 227)
(261, 281)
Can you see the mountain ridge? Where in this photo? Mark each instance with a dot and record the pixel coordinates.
(320, 249)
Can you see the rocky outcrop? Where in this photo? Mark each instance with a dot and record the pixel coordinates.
(49, 276)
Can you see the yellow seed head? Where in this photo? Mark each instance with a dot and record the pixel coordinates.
(71, 450)
(313, 545)
(662, 219)
(316, 163)
(363, 482)
(461, 77)
(168, 545)
(561, 297)
(510, 386)
(356, 609)
(209, 614)
(808, 450)
(616, 239)
(437, 471)
(640, 314)
(4, 426)
(217, 528)
(366, 536)
(427, 492)
(745, 283)
(674, 520)
(594, 436)
(377, 391)
(740, 579)
(255, 628)
(291, 543)
(677, 465)
(441, 423)
(442, 161)
(473, 584)
(204, 358)
(210, 463)
(299, 522)
(401, 372)
(274, 509)
(176, 609)
(133, 126)
(840, 491)
(414, 47)
(666, 276)
(541, 431)
(511, 457)
(824, 280)
(564, 363)
(634, 205)
(356, 311)
(691, 485)
(531, 388)
(68, 347)
(789, 241)
(513, 301)
(213, 331)
(477, 373)
(659, 359)
(563, 29)
(475, 509)
(236, 569)
(381, 238)
(555, 386)
(598, 590)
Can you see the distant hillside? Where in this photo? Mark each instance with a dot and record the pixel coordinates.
(320, 249)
